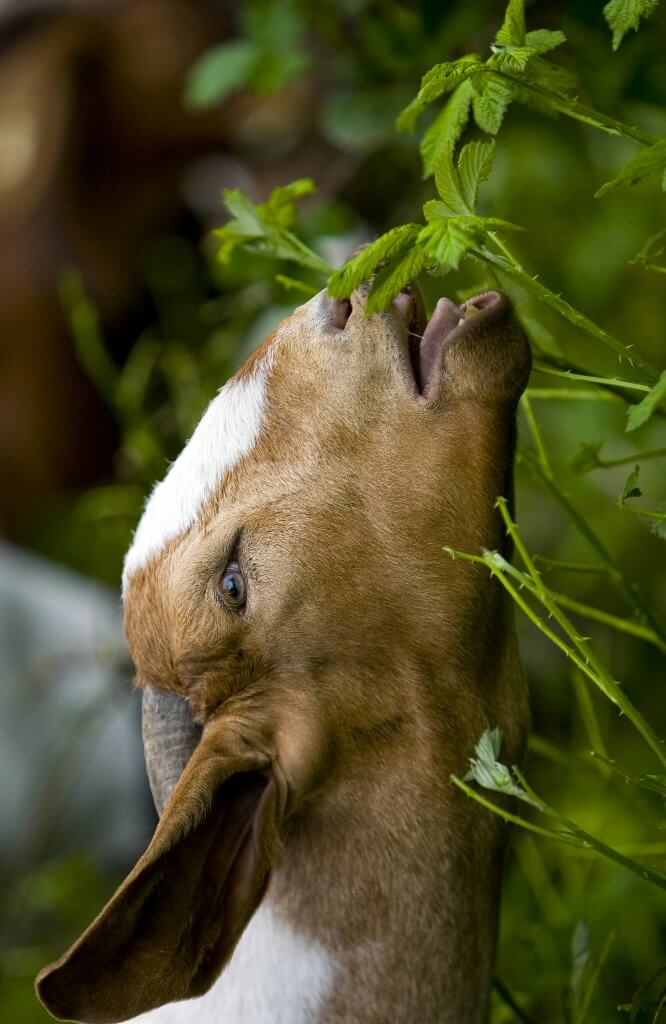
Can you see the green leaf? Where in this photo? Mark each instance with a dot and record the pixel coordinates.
(648, 163)
(219, 71)
(449, 186)
(446, 240)
(631, 488)
(542, 40)
(492, 98)
(512, 32)
(474, 166)
(639, 414)
(490, 773)
(264, 227)
(623, 15)
(443, 134)
(440, 79)
(280, 208)
(343, 282)
(291, 284)
(393, 278)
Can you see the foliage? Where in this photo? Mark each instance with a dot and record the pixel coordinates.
(623, 15)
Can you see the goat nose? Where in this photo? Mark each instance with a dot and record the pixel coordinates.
(339, 312)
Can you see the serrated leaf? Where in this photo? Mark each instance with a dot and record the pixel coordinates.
(447, 181)
(631, 488)
(244, 212)
(490, 773)
(639, 414)
(393, 278)
(512, 32)
(443, 134)
(542, 40)
(490, 103)
(553, 77)
(514, 58)
(262, 227)
(280, 208)
(440, 79)
(648, 163)
(474, 166)
(343, 282)
(448, 239)
(587, 457)
(623, 15)
(219, 71)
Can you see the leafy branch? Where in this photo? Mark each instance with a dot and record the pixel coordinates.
(491, 774)
(574, 645)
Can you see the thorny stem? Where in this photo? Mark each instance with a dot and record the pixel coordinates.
(571, 835)
(604, 679)
(575, 110)
(537, 436)
(614, 621)
(625, 460)
(581, 654)
(510, 265)
(542, 366)
(554, 563)
(631, 591)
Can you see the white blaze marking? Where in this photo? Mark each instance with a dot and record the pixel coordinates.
(227, 431)
(275, 976)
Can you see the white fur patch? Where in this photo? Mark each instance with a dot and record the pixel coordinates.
(227, 431)
(274, 977)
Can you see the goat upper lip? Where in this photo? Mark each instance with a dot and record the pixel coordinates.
(428, 338)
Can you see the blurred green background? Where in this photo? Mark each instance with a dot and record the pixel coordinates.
(119, 325)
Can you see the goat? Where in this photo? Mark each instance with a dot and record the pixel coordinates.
(313, 669)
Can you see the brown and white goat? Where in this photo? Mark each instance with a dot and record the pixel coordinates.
(318, 666)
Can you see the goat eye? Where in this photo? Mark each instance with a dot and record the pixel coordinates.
(232, 587)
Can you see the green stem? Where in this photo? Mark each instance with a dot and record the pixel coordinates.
(588, 567)
(588, 714)
(631, 591)
(581, 654)
(510, 265)
(614, 621)
(572, 836)
(607, 382)
(625, 460)
(537, 436)
(573, 395)
(600, 673)
(645, 512)
(505, 994)
(577, 111)
(512, 819)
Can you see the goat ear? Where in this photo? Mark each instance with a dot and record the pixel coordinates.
(175, 920)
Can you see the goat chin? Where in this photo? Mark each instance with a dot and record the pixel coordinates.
(315, 668)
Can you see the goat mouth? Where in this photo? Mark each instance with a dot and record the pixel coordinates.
(427, 339)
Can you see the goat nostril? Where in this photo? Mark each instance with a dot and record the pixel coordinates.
(340, 310)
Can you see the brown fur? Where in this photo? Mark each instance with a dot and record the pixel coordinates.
(363, 671)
